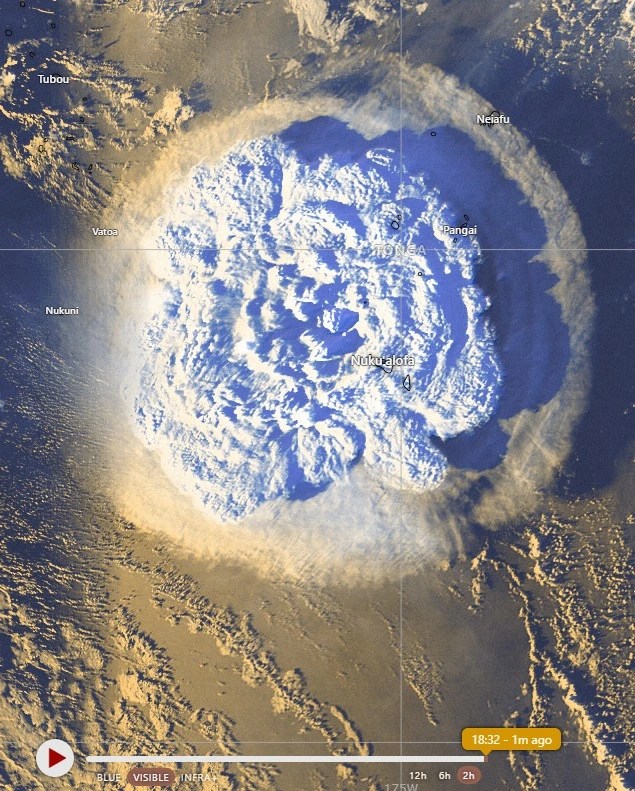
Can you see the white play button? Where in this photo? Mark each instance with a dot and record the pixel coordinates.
(54, 758)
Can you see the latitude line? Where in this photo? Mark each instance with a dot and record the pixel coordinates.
(109, 250)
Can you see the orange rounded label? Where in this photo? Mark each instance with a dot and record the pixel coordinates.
(486, 740)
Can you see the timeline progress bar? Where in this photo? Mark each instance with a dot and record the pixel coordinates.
(285, 759)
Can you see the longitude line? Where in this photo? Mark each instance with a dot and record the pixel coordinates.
(400, 543)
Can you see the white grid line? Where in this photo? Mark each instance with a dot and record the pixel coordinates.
(292, 249)
(401, 487)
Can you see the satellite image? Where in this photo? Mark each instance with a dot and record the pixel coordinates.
(317, 395)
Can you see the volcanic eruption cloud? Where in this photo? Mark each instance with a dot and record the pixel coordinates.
(292, 257)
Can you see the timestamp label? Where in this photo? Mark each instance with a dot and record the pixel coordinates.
(486, 740)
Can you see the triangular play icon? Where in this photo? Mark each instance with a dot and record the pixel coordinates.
(55, 758)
